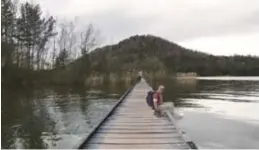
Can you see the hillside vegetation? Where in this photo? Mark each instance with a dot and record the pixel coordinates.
(154, 54)
(38, 48)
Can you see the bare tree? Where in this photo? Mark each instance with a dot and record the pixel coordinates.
(72, 40)
(88, 40)
(63, 39)
(54, 52)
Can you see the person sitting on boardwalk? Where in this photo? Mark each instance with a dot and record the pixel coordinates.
(158, 99)
(160, 107)
(155, 101)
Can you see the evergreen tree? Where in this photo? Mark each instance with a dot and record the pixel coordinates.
(34, 33)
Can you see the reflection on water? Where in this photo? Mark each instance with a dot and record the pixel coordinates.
(217, 113)
(53, 118)
(228, 78)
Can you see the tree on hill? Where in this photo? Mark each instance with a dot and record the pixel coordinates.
(147, 52)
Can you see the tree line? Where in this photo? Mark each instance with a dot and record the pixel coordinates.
(153, 54)
(34, 41)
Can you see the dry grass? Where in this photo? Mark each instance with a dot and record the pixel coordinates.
(189, 75)
(155, 75)
(94, 79)
(128, 77)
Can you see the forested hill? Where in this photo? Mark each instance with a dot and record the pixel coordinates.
(150, 53)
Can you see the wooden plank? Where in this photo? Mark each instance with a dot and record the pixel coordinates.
(135, 110)
(142, 106)
(136, 136)
(148, 113)
(134, 125)
(138, 121)
(135, 98)
(136, 146)
(132, 114)
(135, 107)
(130, 119)
(137, 132)
(134, 141)
(137, 128)
(124, 115)
(142, 124)
(143, 113)
(95, 128)
(135, 118)
(138, 125)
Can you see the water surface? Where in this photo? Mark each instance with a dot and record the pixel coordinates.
(54, 117)
(218, 113)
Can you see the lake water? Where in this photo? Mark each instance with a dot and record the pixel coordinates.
(218, 113)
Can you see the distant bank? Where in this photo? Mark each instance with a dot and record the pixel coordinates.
(244, 78)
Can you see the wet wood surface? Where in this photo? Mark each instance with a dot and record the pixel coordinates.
(133, 125)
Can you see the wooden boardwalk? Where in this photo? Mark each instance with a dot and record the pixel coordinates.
(133, 125)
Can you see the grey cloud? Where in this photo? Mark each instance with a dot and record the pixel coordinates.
(181, 20)
(118, 24)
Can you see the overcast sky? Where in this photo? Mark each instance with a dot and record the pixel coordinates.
(220, 27)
